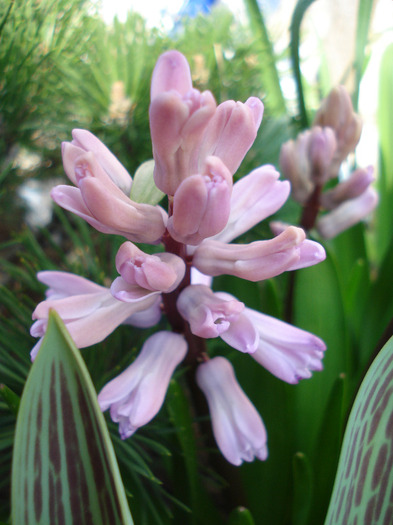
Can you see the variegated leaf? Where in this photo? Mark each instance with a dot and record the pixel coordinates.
(363, 490)
(64, 467)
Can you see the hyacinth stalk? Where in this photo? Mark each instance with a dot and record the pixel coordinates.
(197, 148)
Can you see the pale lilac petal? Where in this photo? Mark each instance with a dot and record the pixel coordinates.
(35, 349)
(351, 188)
(201, 204)
(347, 214)
(176, 126)
(208, 315)
(70, 199)
(254, 262)
(95, 328)
(287, 352)
(159, 272)
(171, 72)
(148, 317)
(310, 253)
(241, 335)
(139, 222)
(89, 315)
(63, 284)
(198, 277)
(232, 131)
(238, 428)
(70, 153)
(116, 171)
(254, 197)
(129, 293)
(38, 328)
(137, 394)
(72, 307)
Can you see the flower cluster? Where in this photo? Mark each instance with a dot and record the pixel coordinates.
(314, 159)
(197, 148)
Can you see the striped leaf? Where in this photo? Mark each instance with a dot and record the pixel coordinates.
(363, 490)
(64, 467)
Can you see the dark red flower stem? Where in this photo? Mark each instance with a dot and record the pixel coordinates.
(307, 221)
(196, 345)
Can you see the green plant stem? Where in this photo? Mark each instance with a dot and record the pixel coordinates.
(270, 75)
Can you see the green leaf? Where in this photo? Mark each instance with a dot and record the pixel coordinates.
(241, 516)
(364, 483)
(275, 98)
(143, 188)
(302, 488)
(363, 25)
(64, 467)
(12, 400)
(297, 18)
(385, 176)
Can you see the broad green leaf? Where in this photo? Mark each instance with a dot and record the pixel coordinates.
(363, 489)
(318, 308)
(64, 467)
(143, 188)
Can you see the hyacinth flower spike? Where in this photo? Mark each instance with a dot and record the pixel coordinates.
(197, 148)
(89, 311)
(238, 428)
(137, 394)
(101, 193)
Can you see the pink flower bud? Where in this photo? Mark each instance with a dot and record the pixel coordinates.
(353, 187)
(89, 311)
(137, 394)
(238, 428)
(100, 197)
(187, 127)
(254, 262)
(232, 131)
(209, 315)
(321, 149)
(347, 214)
(295, 166)
(178, 118)
(337, 112)
(201, 204)
(143, 274)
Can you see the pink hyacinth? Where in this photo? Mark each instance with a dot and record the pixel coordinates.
(101, 193)
(238, 428)
(137, 394)
(197, 148)
(89, 311)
